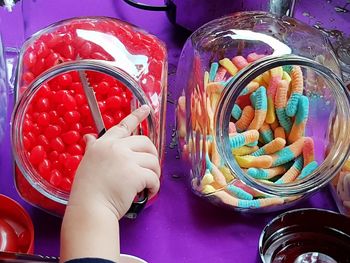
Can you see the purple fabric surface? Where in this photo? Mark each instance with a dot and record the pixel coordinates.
(178, 227)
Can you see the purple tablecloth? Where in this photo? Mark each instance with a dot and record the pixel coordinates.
(178, 227)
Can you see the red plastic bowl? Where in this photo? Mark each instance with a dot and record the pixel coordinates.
(16, 227)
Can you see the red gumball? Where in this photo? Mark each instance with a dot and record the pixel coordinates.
(37, 154)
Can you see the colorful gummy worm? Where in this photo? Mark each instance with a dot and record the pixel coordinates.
(267, 134)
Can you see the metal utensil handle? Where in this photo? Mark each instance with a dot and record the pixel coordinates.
(137, 207)
(92, 102)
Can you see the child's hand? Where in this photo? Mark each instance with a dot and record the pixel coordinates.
(117, 166)
(113, 170)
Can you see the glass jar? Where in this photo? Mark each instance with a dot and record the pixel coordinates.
(255, 119)
(125, 66)
(3, 92)
(340, 184)
(340, 188)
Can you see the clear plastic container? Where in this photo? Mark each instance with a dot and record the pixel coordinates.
(125, 66)
(260, 94)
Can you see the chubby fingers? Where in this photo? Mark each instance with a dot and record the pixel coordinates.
(151, 181)
(129, 123)
(141, 144)
(148, 161)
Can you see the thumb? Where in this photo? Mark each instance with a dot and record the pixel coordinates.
(89, 140)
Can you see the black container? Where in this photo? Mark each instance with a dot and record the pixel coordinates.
(306, 235)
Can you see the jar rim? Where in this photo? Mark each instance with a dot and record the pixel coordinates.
(105, 67)
(318, 178)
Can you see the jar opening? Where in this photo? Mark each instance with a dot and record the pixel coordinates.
(32, 111)
(315, 144)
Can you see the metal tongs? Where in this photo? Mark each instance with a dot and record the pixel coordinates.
(136, 206)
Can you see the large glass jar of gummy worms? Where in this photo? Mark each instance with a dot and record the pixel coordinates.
(123, 65)
(260, 94)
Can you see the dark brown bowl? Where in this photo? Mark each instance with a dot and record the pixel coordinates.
(306, 235)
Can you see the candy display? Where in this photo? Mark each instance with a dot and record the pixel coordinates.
(259, 148)
(124, 66)
(58, 118)
(255, 117)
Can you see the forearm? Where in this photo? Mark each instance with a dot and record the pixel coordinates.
(89, 231)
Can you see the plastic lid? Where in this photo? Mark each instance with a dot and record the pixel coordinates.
(16, 227)
(306, 235)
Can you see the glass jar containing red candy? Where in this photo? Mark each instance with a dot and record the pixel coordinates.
(125, 66)
(255, 120)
